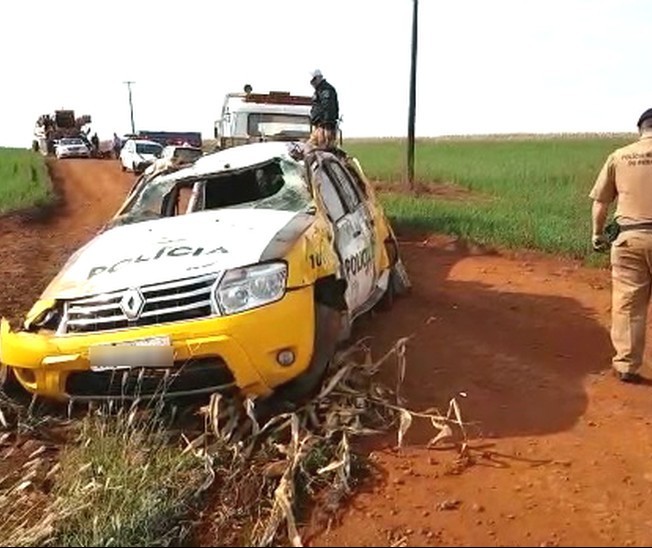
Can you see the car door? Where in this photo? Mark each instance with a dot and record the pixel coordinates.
(125, 153)
(353, 238)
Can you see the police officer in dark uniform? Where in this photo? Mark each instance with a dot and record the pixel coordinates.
(324, 113)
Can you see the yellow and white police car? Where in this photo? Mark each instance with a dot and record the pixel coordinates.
(239, 272)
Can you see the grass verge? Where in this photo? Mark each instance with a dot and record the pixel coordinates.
(125, 484)
(116, 479)
(24, 180)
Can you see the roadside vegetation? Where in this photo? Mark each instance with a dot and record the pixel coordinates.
(113, 477)
(217, 476)
(523, 192)
(24, 180)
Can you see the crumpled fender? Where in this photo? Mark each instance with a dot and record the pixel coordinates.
(37, 309)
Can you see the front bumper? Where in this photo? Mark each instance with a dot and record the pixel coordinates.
(247, 344)
(74, 155)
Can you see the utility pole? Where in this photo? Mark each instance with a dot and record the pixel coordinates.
(131, 106)
(413, 96)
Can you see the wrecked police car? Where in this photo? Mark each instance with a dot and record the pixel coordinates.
(239, 272)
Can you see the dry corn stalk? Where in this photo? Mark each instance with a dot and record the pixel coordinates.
(351, 403)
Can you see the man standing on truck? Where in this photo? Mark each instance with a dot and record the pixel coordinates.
(324, 113)
(626, 176)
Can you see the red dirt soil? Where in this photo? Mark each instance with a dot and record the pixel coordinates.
(561, 451)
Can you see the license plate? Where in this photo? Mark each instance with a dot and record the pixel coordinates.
(154, 352)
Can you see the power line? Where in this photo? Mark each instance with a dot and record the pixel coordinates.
(131, 105)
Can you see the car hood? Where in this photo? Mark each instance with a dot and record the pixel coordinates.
(172, 248)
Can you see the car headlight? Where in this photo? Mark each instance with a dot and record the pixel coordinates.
(49, 318)
(245, 288)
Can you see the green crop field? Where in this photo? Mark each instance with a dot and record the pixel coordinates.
(523, 192)
(24, 180)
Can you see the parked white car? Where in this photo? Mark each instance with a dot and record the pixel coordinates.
(138, 154)
(72, 147)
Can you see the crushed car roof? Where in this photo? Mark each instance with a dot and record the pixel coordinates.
(239, 157)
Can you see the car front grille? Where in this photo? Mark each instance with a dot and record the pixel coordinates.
(196, 376)
(186, 299)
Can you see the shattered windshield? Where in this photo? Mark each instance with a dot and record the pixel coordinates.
(277, 184)
(148, 148)
(187, 154)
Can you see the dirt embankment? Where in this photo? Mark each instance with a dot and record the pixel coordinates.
(559, 451)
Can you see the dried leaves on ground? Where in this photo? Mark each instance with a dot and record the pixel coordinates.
(124, 477)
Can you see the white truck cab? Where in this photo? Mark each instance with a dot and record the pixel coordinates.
(255, 117)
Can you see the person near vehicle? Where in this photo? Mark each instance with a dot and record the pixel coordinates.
(117, 145)
(95, 141)
(87, 140)
(626, 176)
(324, 113)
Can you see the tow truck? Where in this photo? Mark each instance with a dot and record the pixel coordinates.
(249, 117)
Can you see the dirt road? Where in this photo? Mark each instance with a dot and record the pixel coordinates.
(560, 453)
(33, 248)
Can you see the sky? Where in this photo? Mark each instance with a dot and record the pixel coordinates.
(484, 66)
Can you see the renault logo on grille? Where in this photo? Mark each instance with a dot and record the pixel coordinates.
(132, 304)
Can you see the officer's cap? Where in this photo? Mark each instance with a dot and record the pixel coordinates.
(645, 116)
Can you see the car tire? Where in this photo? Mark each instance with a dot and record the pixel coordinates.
(8, 381)
(122, 166)
(11, 389)
(398, 283)
(291, 395)
(400, 279)
(386, 302)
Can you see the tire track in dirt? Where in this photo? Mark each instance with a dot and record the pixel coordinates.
(33, 247)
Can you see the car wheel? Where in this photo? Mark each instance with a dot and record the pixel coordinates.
(400, 279)
(397, 286)
(11, 388)
(287, 397)
(8, 380)
(122, 166)
(387, 300)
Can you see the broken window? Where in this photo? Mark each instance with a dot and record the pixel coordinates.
(187, 155)
(276, 184)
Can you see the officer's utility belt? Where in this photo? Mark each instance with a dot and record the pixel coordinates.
(613, 229)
